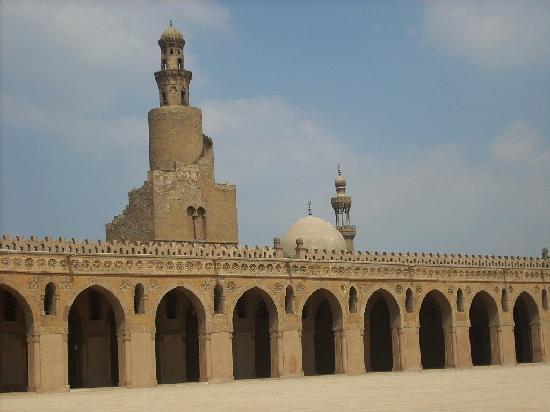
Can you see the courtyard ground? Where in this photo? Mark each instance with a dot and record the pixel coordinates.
(520, 388)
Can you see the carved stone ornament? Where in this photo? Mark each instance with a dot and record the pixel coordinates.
(33, 283)
(468, 290)
(418, 289)
(205, 286)
(231, 286)
(300, 289)
(450, 290)
(399, 289)
(125, 285)
(277, 288)
(66, 283)
(153, 284)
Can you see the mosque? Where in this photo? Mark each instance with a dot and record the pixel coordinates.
(171, 296)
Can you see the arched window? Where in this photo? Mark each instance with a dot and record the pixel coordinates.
(409, 301)
(218, 299)
(139, 299)
(180, 63)
(352, 300)
(163, 64)
(504, 300)
(460, 300)
(163, 99)
(182, 98)
(200, 224)
(49, 299)
(544, 299)
(289, 300)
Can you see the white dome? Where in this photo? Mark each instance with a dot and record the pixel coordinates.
(316, 234)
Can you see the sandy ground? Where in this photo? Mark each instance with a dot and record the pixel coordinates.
(525, 387)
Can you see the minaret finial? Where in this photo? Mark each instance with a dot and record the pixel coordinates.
(309, 208)
(339, 171)
(170, 22)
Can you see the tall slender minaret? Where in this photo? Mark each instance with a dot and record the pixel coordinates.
(341, 203)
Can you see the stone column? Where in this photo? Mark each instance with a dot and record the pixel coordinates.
(33, 362)
(411, 348)
(53, 358)
(280, 354)
(140, 358)
(461, 346)
(355, 363)
(206, 363)
(221, 356)
(545, 336)
(344, 346)
(338, 367)
(508, 343)
(496, 345)
(127, 360)
(536, 338)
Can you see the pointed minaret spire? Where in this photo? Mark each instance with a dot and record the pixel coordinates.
(309, 208)
(341, 203)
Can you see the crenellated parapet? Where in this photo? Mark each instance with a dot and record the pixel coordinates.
(216, 250)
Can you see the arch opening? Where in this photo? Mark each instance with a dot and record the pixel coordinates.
(483, 333)
(409, 301)
(381, 339)
(435, 339)
(179, 321)
(290, 300)
(15, 323)
(49, 299)
(139, 299)
(254, 320)
(526, 329)
(95, 357)
(321, 323)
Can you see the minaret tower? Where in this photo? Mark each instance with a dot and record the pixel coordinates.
(172, 79)
(341, 203)
(180, 200)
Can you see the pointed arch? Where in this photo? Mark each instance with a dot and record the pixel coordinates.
(527, 329)
(436, 321)
(322, 321)
(409, 301)
(483, 332)
(460, 300)
(16, 355)
(255, 323)
(96, 322)
(180, 322)
(219, 300)
(382, 321)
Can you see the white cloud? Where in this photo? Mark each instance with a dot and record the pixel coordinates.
(434, 198)
(494, 34)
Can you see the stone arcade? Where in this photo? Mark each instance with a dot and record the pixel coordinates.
(172, 297)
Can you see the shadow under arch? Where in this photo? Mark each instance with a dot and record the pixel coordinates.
(527, 329)
(436, 320)
(483, 333)
(16, 329)
(255, 324)
(96, 324)
(382, 320)
(180, 324)
(322, 322)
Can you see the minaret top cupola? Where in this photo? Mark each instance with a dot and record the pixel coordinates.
(341, 203)
(172, 79)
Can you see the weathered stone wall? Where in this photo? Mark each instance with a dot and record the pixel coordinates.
(349, 282)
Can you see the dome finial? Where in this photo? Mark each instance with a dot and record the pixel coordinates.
(339, 171)
(309, 208)
(171, 23)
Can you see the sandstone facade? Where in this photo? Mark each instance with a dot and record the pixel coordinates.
(171, 297)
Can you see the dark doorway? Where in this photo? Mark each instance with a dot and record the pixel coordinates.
(251, 336)
(324, 339)
(261, 342)
(480, 334)
(177, 339)
(13, 344)
(92, 342)
(522, 332)
(432, 343)
(381, 354)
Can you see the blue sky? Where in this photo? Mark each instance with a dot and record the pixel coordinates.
(438, 112)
